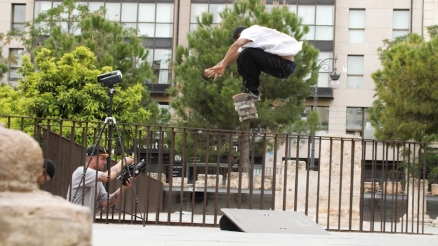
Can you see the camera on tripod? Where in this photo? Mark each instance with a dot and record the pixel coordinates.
(110, 79)
(134, 170)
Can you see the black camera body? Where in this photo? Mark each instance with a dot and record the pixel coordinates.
(110, 79)
(134, 170)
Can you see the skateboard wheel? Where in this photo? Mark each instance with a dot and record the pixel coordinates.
(240, 119)
(252, 105)
(256, 116)
(236, 108)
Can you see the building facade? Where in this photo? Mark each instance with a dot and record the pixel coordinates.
(350, 30)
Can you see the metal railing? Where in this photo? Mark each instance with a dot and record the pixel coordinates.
(358, 185)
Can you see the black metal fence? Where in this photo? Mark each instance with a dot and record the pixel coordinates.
(190, 174)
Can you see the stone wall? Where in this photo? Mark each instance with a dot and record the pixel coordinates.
(339, 176)
(156, 176)
(178, 181)
(417, 209)
(257, 181)
(371, 187)
(267, 182)
(234, 180)
(210, 181)
(392, 187)
(434, 189)
(29, 216)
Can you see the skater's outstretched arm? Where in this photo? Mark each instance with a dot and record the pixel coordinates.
(230, 57)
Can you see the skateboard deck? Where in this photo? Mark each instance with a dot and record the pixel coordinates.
(245, 106)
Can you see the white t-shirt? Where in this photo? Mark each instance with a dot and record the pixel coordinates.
(271, 41)
(89, 192)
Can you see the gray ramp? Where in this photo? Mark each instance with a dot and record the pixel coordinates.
(268, 221)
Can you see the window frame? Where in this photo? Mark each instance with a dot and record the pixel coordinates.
(407, 29)
(325, 69)
(355, 75)
(12, 66)
(15, 14)
(318, 110)
(352, 28)
(365, 129)
(207, 7)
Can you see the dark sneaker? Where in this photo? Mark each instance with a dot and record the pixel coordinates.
(255, 95)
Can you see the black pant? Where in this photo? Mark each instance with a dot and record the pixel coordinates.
(253, 61)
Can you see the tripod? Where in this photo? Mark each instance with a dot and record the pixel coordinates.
(110, 122)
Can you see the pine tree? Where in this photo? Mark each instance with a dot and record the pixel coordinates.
(406, 100)
(406, 104)
(200, 102)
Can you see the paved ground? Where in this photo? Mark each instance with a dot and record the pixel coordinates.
(118, 234)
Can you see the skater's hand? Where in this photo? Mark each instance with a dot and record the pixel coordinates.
(208, 72)
(217, 71)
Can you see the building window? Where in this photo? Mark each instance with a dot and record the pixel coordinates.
(354, 121)
(160, 60)
(324, 28)
(320, 20)
(356, 26)
(94, 6)
(156, 19)
(355, 72)
(41, 6)
(15, 64)
(400, 23)
(196, 10)
(165, 108)
(323, 115)
(325, 69)
(358, 123)
(70, 27)
(152, 18)
(129, 14)
(18, 17)
(113, 11)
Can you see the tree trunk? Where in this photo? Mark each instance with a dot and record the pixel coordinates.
(244, 152)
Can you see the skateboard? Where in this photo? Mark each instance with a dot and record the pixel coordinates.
(245, 106)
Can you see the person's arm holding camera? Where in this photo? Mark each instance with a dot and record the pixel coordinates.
(95, 162)
(116, 195)
(116, 170)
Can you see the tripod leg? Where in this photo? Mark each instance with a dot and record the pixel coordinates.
(119, 139)
(82, 182)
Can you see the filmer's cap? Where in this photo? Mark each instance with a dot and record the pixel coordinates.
(97, 150)
(49, 167)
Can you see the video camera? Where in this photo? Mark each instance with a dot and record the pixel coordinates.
(109, 79)
(134, 170)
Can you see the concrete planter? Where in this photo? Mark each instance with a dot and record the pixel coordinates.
(434, 190)
(392, 187)
(371, 187)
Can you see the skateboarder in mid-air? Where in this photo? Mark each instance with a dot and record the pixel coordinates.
(258, 49)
